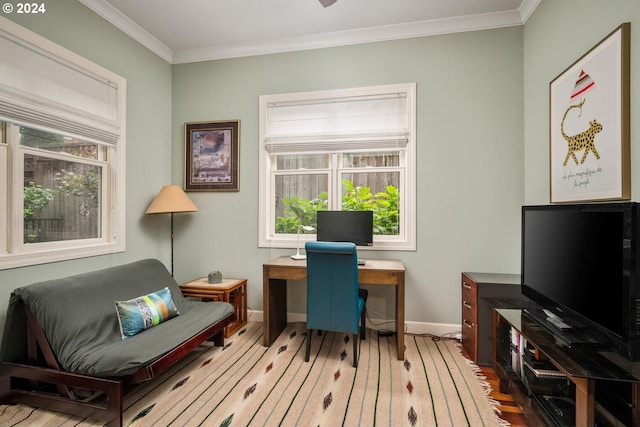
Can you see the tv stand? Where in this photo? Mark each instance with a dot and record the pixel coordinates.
(570, 334)
(542, 375)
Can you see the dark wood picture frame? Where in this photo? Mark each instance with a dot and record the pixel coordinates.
(212, 156)
(589, 124)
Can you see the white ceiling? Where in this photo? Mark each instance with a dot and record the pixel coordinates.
(182, 31)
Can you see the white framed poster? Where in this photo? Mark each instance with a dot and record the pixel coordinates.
(589, 124)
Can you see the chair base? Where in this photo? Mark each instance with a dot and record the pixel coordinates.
(356, 340)
(357, 337)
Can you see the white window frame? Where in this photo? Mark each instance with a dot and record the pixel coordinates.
(3, 189)
(406, 240)
(13, 252)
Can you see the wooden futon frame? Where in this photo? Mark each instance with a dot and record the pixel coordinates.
(44, 384)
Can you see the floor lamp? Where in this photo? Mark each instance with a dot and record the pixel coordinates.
(171, 199)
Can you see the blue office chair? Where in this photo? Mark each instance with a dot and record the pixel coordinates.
(334, 300)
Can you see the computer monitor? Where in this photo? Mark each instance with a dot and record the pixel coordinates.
(345, 226)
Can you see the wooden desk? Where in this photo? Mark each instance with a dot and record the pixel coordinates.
(276, 272)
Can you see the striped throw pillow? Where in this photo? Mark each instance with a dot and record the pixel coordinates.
(141, 313)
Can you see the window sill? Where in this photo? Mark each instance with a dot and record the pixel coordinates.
(47, 255)
(377, 246)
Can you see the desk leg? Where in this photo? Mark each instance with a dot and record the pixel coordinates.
(585, 402)
(274, 306)
(400, 317)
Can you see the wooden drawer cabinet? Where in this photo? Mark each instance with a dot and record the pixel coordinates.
(470, 317)
(481, 293)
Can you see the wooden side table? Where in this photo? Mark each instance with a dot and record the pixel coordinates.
(233, 291)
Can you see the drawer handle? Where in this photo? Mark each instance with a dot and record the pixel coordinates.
(467, 305)
(467, 324)
(464, 285)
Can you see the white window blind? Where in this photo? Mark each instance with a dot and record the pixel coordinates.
(376, 121)
(40, 89)
(47, 87)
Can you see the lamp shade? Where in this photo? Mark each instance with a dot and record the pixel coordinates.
(170, 199)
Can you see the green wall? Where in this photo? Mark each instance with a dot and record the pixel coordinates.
(469, 167)
(558, 34)
(78, 29)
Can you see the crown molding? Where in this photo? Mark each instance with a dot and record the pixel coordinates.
(316, 41)
(127, 26)
(526, 9)
(351, 37)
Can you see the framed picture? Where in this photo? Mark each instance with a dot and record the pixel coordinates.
(589, 124)
(212, 151)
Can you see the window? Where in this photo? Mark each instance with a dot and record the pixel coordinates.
(61, 153)
(350, 149)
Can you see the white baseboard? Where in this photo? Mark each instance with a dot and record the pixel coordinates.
(417, 328)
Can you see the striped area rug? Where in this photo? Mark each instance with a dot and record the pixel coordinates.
(246, 384)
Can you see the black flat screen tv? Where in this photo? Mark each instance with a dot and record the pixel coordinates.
(345, 226)
(580, 261)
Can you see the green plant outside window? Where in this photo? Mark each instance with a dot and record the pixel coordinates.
(386, 218)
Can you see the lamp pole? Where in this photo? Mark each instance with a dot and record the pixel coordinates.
(171, 244)
(298, 255)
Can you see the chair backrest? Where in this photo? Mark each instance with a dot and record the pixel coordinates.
(332, 286)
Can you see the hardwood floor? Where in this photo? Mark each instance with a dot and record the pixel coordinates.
(510, 410)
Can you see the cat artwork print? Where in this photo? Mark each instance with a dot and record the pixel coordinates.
(589, 124)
